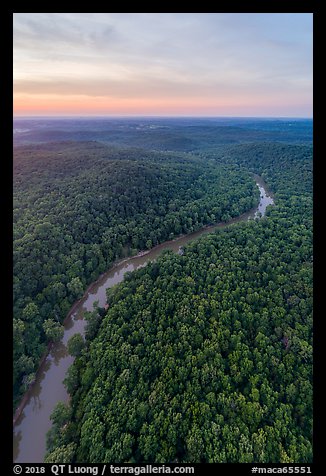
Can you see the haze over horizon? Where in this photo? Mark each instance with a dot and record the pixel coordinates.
(166, 64)
(153, 117)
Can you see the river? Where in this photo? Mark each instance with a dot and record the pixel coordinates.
(34, 422)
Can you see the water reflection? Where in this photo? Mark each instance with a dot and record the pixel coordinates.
(36, 403)
(69, 324)
(58, 352)
(18, 438)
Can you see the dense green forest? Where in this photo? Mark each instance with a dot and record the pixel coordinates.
(206, 357)
(80, 206)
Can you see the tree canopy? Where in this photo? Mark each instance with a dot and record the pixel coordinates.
(80, 206)
(207, 356)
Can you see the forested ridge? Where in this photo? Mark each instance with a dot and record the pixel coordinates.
(80, 206)
(206, 357)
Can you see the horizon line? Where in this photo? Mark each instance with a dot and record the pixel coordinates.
(126, 116)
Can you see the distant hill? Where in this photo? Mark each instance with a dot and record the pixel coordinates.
(179, 134)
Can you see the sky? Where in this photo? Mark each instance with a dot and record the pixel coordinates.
(163, 64)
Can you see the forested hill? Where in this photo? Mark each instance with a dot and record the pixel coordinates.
(286, 168)
(206, 357)
(80, 206)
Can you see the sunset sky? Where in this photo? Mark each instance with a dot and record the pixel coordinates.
(163, 64)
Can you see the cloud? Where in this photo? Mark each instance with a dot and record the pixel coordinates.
(162, 89)
(167, 54)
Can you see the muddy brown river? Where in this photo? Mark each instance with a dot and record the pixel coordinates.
(34, 422)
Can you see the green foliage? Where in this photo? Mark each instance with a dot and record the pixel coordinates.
(75, 345)
(29, 378)
(61, 414)
(59, 449)
(53, 330)
(61, 454)
(75, 287)
(206, 357)
(93, 319)
(72, 379)
(79, 207)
